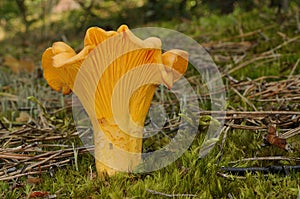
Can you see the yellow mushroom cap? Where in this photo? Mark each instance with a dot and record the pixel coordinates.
(177, 61)
(115, 54)
(61, 63)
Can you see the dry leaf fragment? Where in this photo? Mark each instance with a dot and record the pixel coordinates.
(33, 180)
(273, 138)
(23, 117)
(18, 66)
(36, 194)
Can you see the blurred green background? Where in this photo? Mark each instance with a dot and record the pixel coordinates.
(28, 23)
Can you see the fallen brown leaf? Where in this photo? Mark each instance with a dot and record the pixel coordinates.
(18, 66)
(36, 194)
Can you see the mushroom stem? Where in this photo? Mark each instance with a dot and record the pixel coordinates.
(120, 149)
(118, 143)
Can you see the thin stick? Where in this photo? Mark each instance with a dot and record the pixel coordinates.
(281, 45)
(225, 130)
(246, 63)
(232, 177)
(42, 162)
(244, 127)
(249, 113)
(265, 158)
(20, 175)
(293, 69)
(290, 133)
(244, 98)
(276, 100)
(248, 34)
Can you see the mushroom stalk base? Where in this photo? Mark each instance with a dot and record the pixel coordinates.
(116, 151)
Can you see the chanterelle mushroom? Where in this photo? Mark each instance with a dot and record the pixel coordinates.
(114, 76)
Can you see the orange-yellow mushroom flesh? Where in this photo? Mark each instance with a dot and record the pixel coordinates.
(114, 76)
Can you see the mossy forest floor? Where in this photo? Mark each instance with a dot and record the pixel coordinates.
(257, 53)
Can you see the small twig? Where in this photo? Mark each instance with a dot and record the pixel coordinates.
(248, 34)
(244, 127)
(253, 60)
(42, 162)
(265, 158)
(225, 135)
(290, 133)
(4, 178)
(54, 155)
(281, 45)
(225, 130)
(266, 170)
(19, 148)
(276, 100)
(75, 152)
(170, 195)
(250, 113)
(293, 69)
(14, 156)
(244, 98)
(231, 177)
